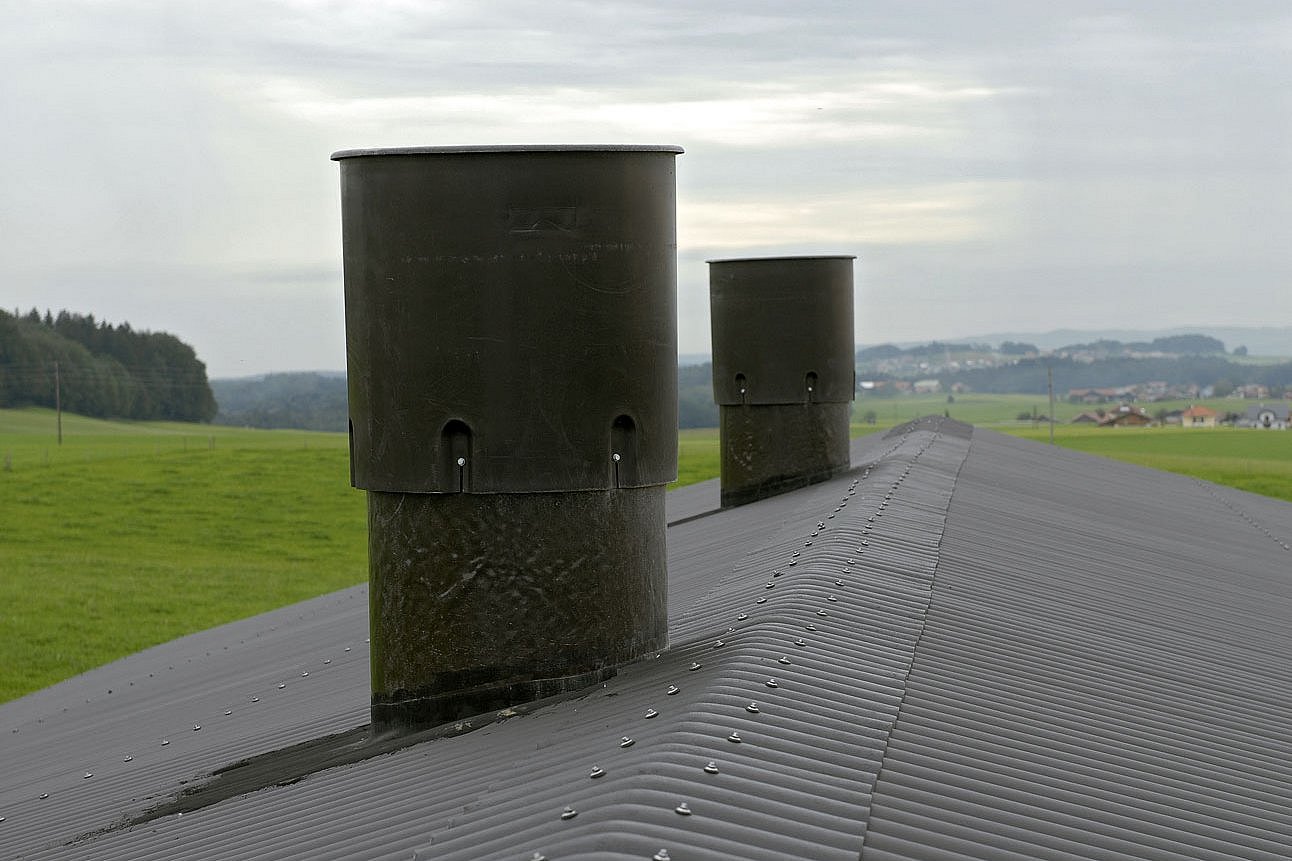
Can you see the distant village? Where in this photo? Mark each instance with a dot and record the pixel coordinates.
(1196, 367)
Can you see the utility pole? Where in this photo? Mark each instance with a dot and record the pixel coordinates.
(1049, 377)
(58, 402)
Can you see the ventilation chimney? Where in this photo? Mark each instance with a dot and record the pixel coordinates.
(783, 371)
(511, 344)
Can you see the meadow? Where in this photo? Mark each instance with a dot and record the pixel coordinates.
(130, 534)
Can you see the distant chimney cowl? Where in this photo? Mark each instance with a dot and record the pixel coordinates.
(783, 371)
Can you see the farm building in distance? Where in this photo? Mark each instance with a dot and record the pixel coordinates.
(906, 661)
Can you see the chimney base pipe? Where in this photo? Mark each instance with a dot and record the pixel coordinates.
(445, 569)
(769, 449)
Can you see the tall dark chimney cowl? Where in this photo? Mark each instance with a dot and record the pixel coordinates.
(783, 371)
(511, 345)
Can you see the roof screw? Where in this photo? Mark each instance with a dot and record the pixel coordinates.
(597, 771)
(800, 642)
(44, 795)
(538, 856)
(683, 809)
(197, 727)
(255, 699)
(650, 713)
(735, 738)
(462, 461)
(347, 648)
(752, 708)
(711, 767)
(128, 759)
(832, 599)
(769, 585)
(794, 562)
(718, 644)
(87, 775)
(783, 659)
(327, 661)
(838, 582)
(694, 666)
(165, 742)
(305, 673)
(672, 689)
(761, 601)
(228, 712)
(822, 613)
(615, 457)
(662, 855)
(569, 812)
(742, 617)
(771, 683)
(809, 627)
(794, 555)
(777, 573)
(830, 517)
(626, 742)
(282, 685)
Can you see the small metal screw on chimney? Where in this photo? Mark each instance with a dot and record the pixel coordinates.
(511, 344)
(783, 371)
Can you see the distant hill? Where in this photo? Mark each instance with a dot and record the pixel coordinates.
(317, 400)
(1259, 340)
(307, 401)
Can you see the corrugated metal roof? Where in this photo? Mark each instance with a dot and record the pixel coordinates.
(1104, 673)
(995, 649)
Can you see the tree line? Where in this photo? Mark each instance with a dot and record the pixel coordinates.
(98, 369)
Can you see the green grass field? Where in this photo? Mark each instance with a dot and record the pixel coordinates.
(131, 534)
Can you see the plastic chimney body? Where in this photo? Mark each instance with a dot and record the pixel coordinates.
(511, 345)
(783, 371)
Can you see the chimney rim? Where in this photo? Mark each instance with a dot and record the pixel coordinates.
(503, 149)
(783, 258)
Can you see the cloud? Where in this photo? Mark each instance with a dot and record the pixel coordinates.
(986, 161)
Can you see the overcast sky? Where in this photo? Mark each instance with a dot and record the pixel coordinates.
(995, 166)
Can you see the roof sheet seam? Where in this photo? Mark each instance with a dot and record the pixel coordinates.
(923, 623)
